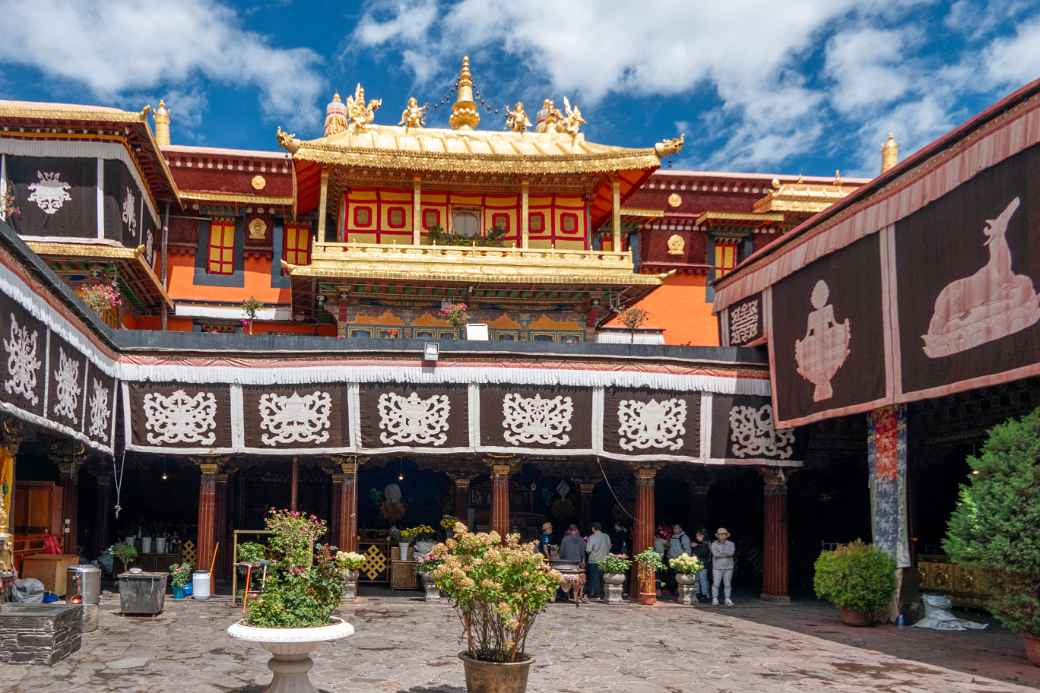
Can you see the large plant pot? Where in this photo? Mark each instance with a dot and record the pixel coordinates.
(852, 617)
(1032, 643)
(686, 589)
(290, 650)
(613, 588)
(490, 677)
(142, 593)
(430, 587)
(350, 586)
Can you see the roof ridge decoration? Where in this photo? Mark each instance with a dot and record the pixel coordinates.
(464, 113)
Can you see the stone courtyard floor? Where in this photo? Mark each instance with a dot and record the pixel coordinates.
(405, 645)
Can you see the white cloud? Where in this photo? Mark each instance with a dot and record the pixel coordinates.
(869, 67)
(1013, 61)
(116, 48)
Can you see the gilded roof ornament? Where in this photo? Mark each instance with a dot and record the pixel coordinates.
(464, 115)
(889, 153)
(360, 113)
(335, 116)
(516, 119)
(414, 115)
(572, 120)
(672, 146)
(287, 140)
(549, 117)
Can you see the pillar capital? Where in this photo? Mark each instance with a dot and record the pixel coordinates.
(775, 479)
(462, 482)
(211, 466)
(347, 465)
(502, 465)
(646, 474)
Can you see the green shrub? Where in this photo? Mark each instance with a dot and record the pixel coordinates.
(250, 552)
(614, 564)
(996, 524)
(126, 553)
(856, 576)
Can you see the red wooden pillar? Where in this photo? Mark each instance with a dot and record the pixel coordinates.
(500, 498)
(207, 528)
(345, 485)
(462, 499)
(775, 549)
(643, 534)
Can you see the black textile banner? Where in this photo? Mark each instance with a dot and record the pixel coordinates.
(967, 269)
(180, 415)
(742, 428)
(122, 205)
(22, 374)
(66, 384)
(55, 196)
(298, 416)
(414, 416)
(527, 416)
(646, 422)
(827, 335)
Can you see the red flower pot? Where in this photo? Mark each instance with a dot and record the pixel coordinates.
(851, 617)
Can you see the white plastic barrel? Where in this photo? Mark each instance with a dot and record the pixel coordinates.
(200, 584)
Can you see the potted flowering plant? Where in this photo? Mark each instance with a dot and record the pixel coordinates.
(104, 299)
(293, 614)
(448, 524)
(455, 313)
(250, 307)
(498, 586)
(180, 575)
(686, 568)
(614, 567)
(649, 563)
(349, 564)
(425, 564)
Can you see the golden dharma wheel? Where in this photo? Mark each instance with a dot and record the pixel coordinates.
(674, 200)
(258, 182)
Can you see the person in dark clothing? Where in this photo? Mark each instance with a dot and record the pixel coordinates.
(572, 546)
(545, 541)
(702, 550)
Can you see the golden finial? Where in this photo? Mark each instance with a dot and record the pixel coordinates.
(162, 124)
(335, 116)
(889, 153)
(464, 115)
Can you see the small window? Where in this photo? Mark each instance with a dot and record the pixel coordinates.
(395, 217)
(361, 334)
(500, 221)
(536, 222)
(569, 222)
(570, 339)
(424, 335)
(543, 338)
(725, 256)
(465, 222)
(431, 218)
(506, 337)
(362, 216)
(297, 249)
(221, 258)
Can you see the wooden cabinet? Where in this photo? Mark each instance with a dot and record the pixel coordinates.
(966, 587)
(37, 507)
(403, 576)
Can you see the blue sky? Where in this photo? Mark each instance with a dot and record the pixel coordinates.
(804, 86)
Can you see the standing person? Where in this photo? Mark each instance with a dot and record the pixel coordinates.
(545, 540)
(572, 546)
(597, 546)
(702, 551)
(722, 552)
(661, 541)
(679, 544)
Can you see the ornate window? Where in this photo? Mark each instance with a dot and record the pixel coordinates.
(431, 218)
(465, 222)
(297, 249)
(362, 216)
(726, 255)
(569, 222)
(395, 217)
(221, 258)
(500, 221)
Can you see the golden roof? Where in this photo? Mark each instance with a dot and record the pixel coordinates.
(802, 197)
(478, 151)
(481, 265)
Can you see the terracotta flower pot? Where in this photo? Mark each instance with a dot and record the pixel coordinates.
(852, 617)
(1032, 643)
(492, 677)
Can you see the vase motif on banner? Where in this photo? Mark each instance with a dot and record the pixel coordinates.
(295, 418)
(66, 379)
(22, 361)
(752, 433)
(178, 418)
(825, 346)
(886, 458)
(413, 419)
(651, 424)
(99, 410)
(49, 192)
(528, 420)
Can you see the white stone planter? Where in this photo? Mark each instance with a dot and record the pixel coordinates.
(290, 650)
(613, 587)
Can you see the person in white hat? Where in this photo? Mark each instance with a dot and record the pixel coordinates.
(722, 552)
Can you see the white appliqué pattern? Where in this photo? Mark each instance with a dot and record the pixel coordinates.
(537, 420)
(652, 424)
(66, 379)
(130, 211)
(149, 246)
(743, 323)
(22, 363)
(413, 419)
(49, 192)
(752, 434)
(179, 418)
(99, 411)
(295, 419)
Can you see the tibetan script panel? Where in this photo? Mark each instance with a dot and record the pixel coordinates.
(744, 322)
(974, 315)
(826, 341)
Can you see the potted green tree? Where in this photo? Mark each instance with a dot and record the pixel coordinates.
(614, 567)
(686, 568)
(858, 578)
(498, 586)
(126, 553)
(649, 562)
(996, 524)
(293, 614)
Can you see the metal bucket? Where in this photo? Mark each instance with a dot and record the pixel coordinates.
(84, 580)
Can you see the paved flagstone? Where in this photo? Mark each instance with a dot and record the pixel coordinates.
(409, 646)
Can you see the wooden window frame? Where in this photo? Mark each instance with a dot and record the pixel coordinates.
(292, 253)
(224, 265)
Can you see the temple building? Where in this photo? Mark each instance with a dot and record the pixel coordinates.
(502, 322)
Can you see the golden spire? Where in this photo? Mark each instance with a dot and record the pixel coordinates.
(464, 115)
(162, 124)
(889, 153)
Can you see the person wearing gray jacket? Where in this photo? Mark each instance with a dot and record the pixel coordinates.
(722, 562)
